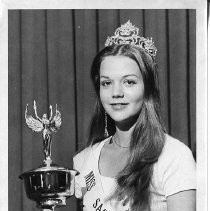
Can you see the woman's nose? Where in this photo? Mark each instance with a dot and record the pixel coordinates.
(117, 91)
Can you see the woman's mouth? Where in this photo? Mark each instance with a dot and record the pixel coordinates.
(118, 106)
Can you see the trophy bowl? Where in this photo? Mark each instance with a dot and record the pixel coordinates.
(50, 186)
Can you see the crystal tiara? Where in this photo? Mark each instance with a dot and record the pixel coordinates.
(128, 34)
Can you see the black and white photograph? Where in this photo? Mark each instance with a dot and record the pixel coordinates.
(107, 107)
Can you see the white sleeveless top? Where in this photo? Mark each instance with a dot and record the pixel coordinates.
(173, 172)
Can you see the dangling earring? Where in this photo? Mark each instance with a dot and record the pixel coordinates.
(106, 134)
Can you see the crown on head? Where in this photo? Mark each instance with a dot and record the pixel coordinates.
(128, 34)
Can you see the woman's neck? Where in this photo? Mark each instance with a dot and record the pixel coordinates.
(123, 137)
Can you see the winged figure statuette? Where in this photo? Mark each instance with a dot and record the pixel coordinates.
(47, 126)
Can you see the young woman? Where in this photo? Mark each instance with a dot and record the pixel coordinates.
(130, 163)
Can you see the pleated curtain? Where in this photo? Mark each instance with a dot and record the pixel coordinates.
(50, 55)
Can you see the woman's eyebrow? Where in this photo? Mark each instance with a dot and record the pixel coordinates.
(130, 75)
(103, 76)
(124, 76)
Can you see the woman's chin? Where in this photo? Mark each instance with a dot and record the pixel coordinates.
(119, 118)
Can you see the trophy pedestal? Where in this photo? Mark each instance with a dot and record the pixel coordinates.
(49, 186)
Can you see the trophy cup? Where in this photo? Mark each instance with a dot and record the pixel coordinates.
(49, 185)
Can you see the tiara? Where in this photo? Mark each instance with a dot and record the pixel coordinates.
(128, 34)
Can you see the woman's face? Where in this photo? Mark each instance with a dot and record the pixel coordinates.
(121, 87)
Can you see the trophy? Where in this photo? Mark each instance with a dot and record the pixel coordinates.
(48, 185)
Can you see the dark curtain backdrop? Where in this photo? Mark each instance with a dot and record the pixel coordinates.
(50, 54)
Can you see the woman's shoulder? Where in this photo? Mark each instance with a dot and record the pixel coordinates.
(174, 146)
(175, 168)
(83, 155)
(174, 151)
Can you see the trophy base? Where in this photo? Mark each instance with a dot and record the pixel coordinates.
(49, 186)
(51, 203)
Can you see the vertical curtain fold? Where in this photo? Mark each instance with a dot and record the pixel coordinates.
(192, 78)
(50, 56)
(178, 73)
(14, 75)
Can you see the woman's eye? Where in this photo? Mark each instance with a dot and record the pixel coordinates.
(129, 82)
(105, 83)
